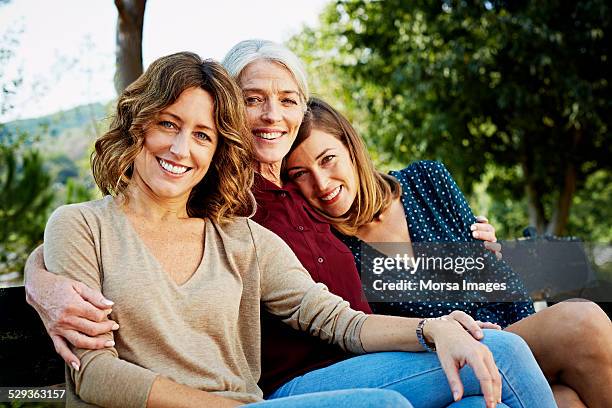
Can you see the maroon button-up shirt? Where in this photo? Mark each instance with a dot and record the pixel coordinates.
(287, 353)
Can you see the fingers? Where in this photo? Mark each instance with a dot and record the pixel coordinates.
(483, 230)
(452, 375)
(482, 218)
(80, 340)
(495, 377)
(494, 247)
(62, 349)
(93, 296)
(87, 311)
(479, 231)
(488, 325)
(481, 362)
(88, 327)
(83, 308)
(468, 323)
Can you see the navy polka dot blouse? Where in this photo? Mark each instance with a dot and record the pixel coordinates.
(437, 211)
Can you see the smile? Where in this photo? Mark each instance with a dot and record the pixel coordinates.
(269, 135)
(333, 194)
(171, 168)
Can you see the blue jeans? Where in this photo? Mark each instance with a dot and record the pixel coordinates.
(355, 398)
(420, 378)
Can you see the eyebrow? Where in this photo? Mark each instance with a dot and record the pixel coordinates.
(180, 120)
(316, 158)
(287, 91)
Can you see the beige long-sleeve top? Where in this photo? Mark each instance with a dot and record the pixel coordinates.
(204, 333)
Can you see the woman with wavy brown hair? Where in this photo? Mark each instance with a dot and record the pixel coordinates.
(170, 242)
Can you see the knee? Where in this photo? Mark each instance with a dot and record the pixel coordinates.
(580, 322)
(584, 330)
(509, 350)
(499, 341)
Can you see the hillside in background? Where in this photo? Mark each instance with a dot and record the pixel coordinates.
(45, 163)
(65, 133)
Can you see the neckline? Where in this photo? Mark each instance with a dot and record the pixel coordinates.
(146, 250)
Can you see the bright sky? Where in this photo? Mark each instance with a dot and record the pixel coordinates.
(65, 50)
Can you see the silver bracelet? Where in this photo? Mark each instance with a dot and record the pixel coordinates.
(430, 347)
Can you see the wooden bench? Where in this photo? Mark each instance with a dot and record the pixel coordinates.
(27, 355)
(560, 269)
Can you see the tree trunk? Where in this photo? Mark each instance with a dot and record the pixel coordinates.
(558, 223)
(129, 42)
(537, 216)
(560, 217)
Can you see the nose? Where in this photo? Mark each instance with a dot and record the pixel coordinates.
(271, 112)
(320, 180)
(180, 145)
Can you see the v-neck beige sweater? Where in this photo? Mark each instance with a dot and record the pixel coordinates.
(204, 333)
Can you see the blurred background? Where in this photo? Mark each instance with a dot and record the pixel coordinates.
(513, 96)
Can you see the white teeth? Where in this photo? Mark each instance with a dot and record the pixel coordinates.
(172, 169)
(270, 136)
(332, 195)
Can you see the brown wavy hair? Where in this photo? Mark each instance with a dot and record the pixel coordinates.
(224, 192)
(375, 190)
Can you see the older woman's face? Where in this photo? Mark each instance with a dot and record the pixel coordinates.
(274, 108)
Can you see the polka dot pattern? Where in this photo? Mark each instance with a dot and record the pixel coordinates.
(437, 211)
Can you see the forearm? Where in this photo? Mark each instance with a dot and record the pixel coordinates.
(389, 333)
(106, 380)
(167, 393)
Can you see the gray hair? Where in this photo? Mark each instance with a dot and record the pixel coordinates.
(248, 51)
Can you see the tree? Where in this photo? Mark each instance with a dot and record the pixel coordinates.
(129, 42)
(25, 201)
(519, 89)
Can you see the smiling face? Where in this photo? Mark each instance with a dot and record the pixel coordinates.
(274, 109)
(321, 166)
(178, 147)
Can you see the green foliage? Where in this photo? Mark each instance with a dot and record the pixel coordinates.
(516, 94)
(591, 215)
(25, 200)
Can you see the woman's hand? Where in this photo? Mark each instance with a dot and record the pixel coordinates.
(484, 231)
(70, 310)
(456, 348)
(473, 326)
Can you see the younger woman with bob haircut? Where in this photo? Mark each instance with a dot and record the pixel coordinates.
(171, 244)
(422, 203)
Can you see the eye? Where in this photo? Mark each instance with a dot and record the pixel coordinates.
(202, 136)
(327, 159)
(252, 100)
(297, 174)
(166, 124)
(289, 101)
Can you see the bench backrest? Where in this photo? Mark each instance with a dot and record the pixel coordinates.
(27, 356)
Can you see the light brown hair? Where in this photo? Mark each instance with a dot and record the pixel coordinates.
(225, 190)
(375, 190)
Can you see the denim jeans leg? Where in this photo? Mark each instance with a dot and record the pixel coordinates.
(472, 402)
(420, 378)
(356, 398)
